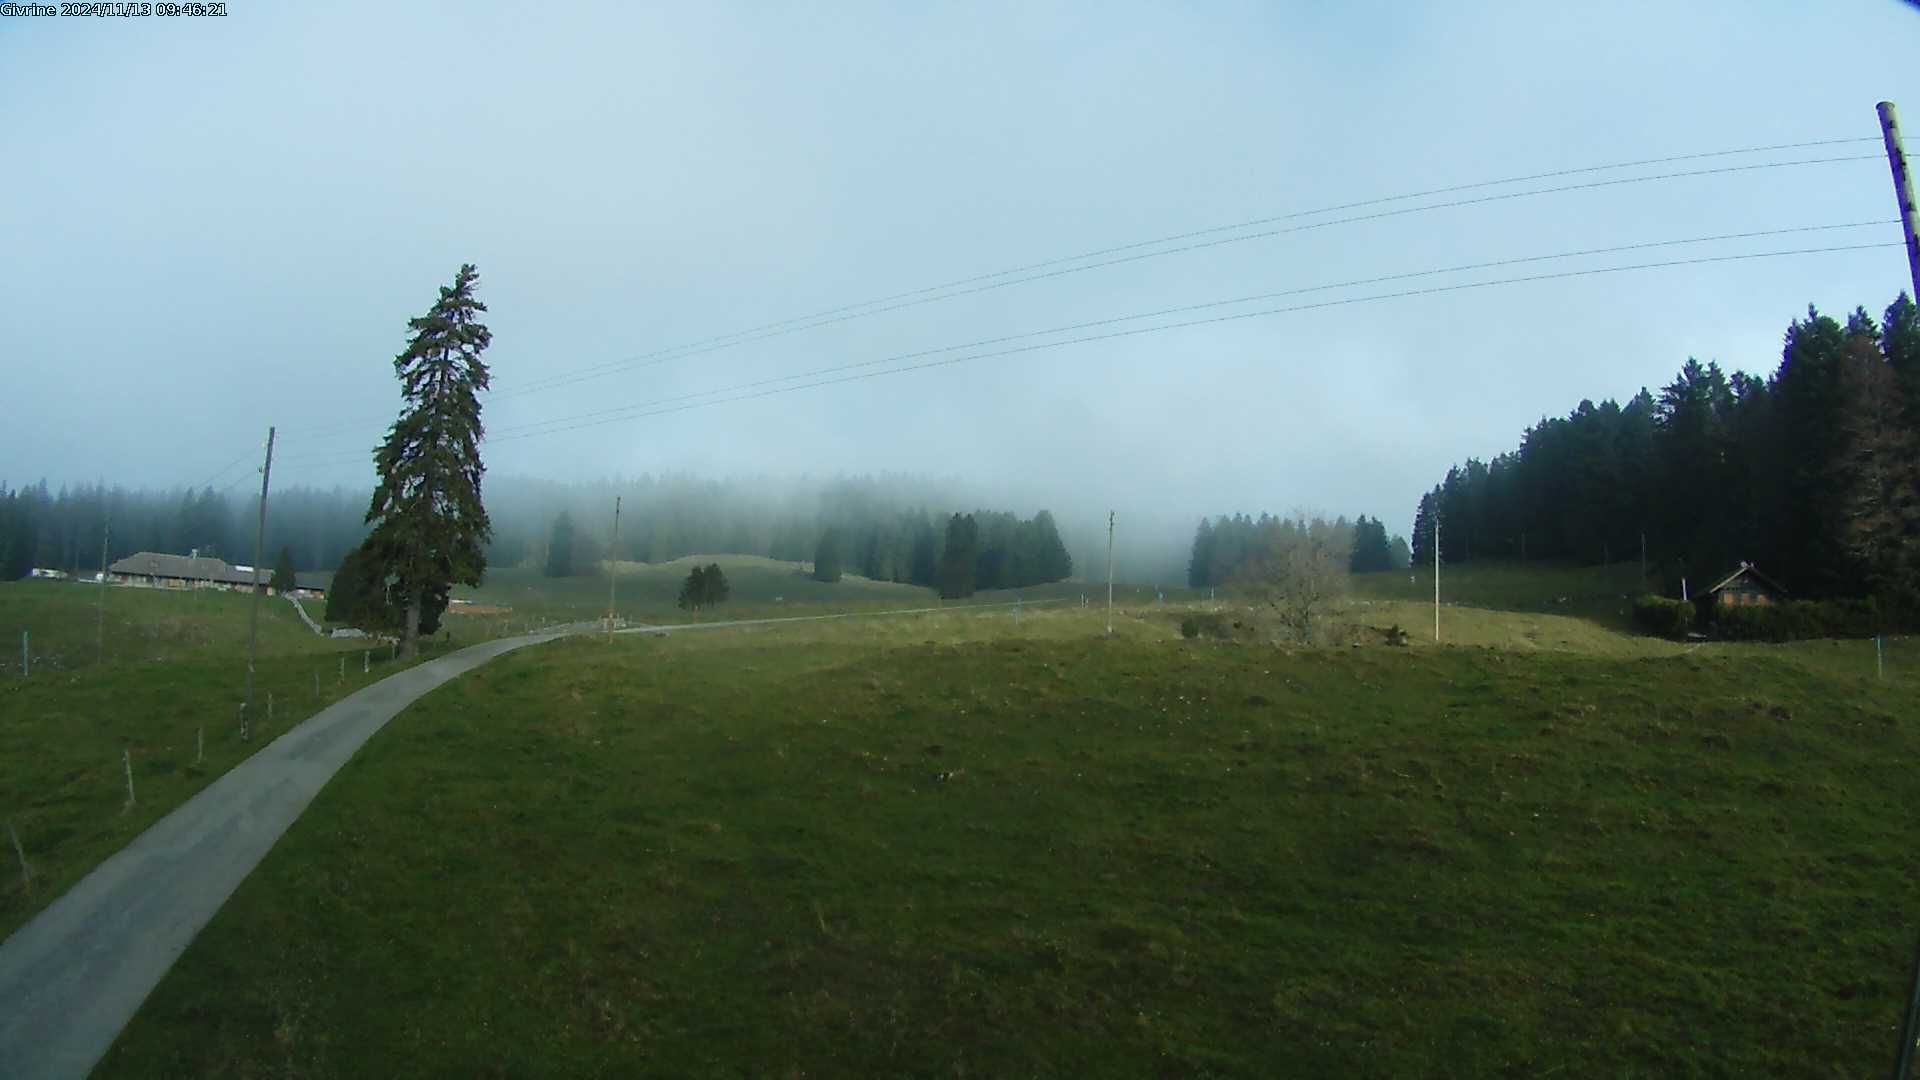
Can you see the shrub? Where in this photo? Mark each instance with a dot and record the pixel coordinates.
(1796, 620)
(1207, 623)
(1659, 615)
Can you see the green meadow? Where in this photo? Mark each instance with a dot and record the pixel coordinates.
(975, 843)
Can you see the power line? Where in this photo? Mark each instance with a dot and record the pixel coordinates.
(221, 470)
(1203, 322)
(1187, 308)
(810, 322)
(924, 295)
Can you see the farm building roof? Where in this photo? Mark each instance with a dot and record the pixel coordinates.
(1750, 570)
(205, 568)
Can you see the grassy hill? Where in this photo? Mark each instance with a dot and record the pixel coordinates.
(965, 845)
(1602, 594)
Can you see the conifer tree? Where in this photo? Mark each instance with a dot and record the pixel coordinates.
(826, 557)
(560, 546)
(283, 580)
(429, 524)
(693, 591)
(957, 561)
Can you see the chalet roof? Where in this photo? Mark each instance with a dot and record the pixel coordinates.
(186, 567)
(1747, 568)
(207, 568)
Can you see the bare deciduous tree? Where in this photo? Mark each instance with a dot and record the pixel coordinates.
(1298, 569)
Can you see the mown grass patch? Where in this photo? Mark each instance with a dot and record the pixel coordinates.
(805, 852)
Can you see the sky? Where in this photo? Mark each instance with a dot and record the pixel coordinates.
(213, 225)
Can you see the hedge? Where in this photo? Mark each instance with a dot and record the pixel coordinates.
(1659, 615)
(1798, 619)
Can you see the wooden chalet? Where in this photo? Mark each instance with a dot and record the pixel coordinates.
(1745, 586)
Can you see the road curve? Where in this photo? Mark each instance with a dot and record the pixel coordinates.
(72, 978)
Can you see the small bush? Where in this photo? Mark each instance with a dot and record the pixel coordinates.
(1659, 615)
(1205, 624)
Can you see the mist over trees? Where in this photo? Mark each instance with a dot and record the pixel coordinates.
(560, 547)
(1810, 473)
(826, 557)
(1225, 548)
(894, 526)
(61, 529)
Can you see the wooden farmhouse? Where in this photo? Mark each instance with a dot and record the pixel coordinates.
(157, 570)
(1745, 586)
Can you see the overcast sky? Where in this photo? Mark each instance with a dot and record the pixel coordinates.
(211, 225)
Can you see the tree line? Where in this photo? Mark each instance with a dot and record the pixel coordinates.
(981, 550)
(1227, 550)
(63, 529)
(1810, 473)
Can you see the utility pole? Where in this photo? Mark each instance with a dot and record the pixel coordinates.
(1436, 578)
(100, 630)
(1902, 190)
(1643, 558)
(1903, 194)
(1109, 573)
(253, 618)
(614, 558)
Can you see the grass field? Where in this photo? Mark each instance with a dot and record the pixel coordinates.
(166, 688)
(649, 593)
(1601, 594)
(160, 673)
(962, 845)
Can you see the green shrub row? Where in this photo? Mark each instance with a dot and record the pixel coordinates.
(1798, 619)
(1659, 615)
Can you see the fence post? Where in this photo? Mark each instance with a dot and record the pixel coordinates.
(366, 661)
(26, 663)
(199, 744)
(1879, 658)
(26, 872)
(343, 667)
(126, 759)
(269, 707)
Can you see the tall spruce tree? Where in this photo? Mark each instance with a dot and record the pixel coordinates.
(1200, 566)
(826, 557)
(560, 546)
(1370, 549)
(283, 580)
(694, 590)
(429, 524)
(957, 561)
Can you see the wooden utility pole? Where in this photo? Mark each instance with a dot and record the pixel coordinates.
(1109, 573)
(1903, 194)
(1436, 577)
(253, 618)
(613, 559)
(1902, 190)
(100, 629)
